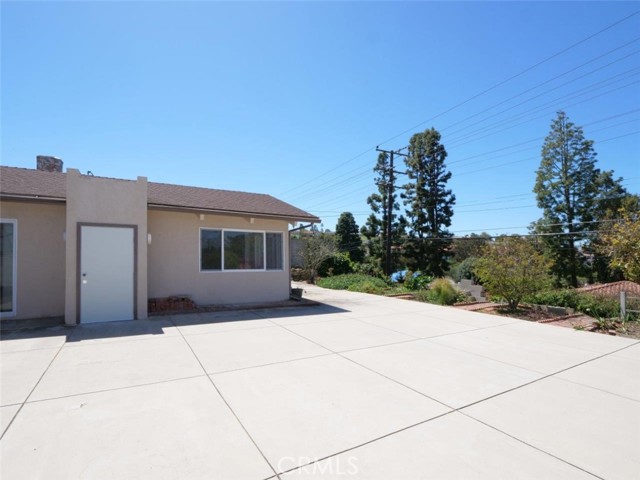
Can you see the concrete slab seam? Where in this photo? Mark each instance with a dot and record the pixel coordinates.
(422, 422)
(115, 389)
(375, 371)
(32, 390)
(453, 409)
(230, 408)
(270, 364)
(529, 445)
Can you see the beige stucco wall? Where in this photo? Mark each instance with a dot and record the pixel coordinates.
(104, 201)
(174, 267)
(40, 260)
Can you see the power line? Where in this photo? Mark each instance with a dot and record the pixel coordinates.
(364, 176)
(546, 82)
(364, 170)
(528, 69)
(300, 185)
(552, 104)
(532, 67)
(547, 107)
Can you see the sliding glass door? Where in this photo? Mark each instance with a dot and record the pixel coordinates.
(7, 267)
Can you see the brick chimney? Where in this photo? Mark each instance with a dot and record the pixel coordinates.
(48, 164)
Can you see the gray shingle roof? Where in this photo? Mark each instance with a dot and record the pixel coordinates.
(35, 184)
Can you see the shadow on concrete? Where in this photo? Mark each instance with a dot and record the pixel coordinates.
(157, 325)
(10, 326)
(126, 328)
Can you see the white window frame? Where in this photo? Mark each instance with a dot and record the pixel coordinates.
(242, 230)
(14, 292)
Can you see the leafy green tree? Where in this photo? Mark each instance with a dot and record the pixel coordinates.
(512, 268)
(374, 228)
(316, 249)
(613, 199)
(621, 244)
(348, 237)
(566, 190)
(429, 204)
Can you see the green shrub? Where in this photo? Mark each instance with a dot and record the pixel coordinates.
(367, 287)
(352, 281)
(593, 305)
(417, 281)
(464, 270)
(443, 292)
(423, 296)
(440, 292)
(339, 264)
(464, 297)
(370, 267)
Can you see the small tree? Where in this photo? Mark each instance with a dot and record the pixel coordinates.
(621, 203)
(621, 243)
(512, 268)
(317, 248)
(348, 237)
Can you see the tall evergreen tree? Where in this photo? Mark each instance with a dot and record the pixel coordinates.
(429, 204)
(348, 237)
(566, 189)
(374, 228)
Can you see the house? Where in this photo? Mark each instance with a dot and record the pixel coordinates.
(92, 249)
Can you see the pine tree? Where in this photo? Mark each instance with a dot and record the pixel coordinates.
(566, 189)
(348, 237)
(374, 228)
(429, 204)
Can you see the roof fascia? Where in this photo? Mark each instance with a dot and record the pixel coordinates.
(31, 198)
(173, 208)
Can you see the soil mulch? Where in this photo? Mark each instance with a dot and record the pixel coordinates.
(631, 330)
(476, 306)
(578, 321)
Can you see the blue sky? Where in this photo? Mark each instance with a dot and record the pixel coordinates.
(291, 98)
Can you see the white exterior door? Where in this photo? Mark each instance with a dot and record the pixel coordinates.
(106, 274)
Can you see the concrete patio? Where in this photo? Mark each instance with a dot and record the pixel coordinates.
(359, 387)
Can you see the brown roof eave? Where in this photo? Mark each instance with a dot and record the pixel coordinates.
(31, 198)
(177, 208)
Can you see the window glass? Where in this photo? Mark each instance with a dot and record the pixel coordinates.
(274, 251)
(7, 232)
(210, 250)
(243, 250)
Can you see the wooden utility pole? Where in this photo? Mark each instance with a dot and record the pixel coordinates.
(389, 191)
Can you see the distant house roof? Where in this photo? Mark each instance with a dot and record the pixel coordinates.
(612, 289)
(38, 185)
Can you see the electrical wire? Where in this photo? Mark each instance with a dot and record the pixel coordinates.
(464, 102)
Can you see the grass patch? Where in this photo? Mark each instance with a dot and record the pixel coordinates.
(354, 282)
